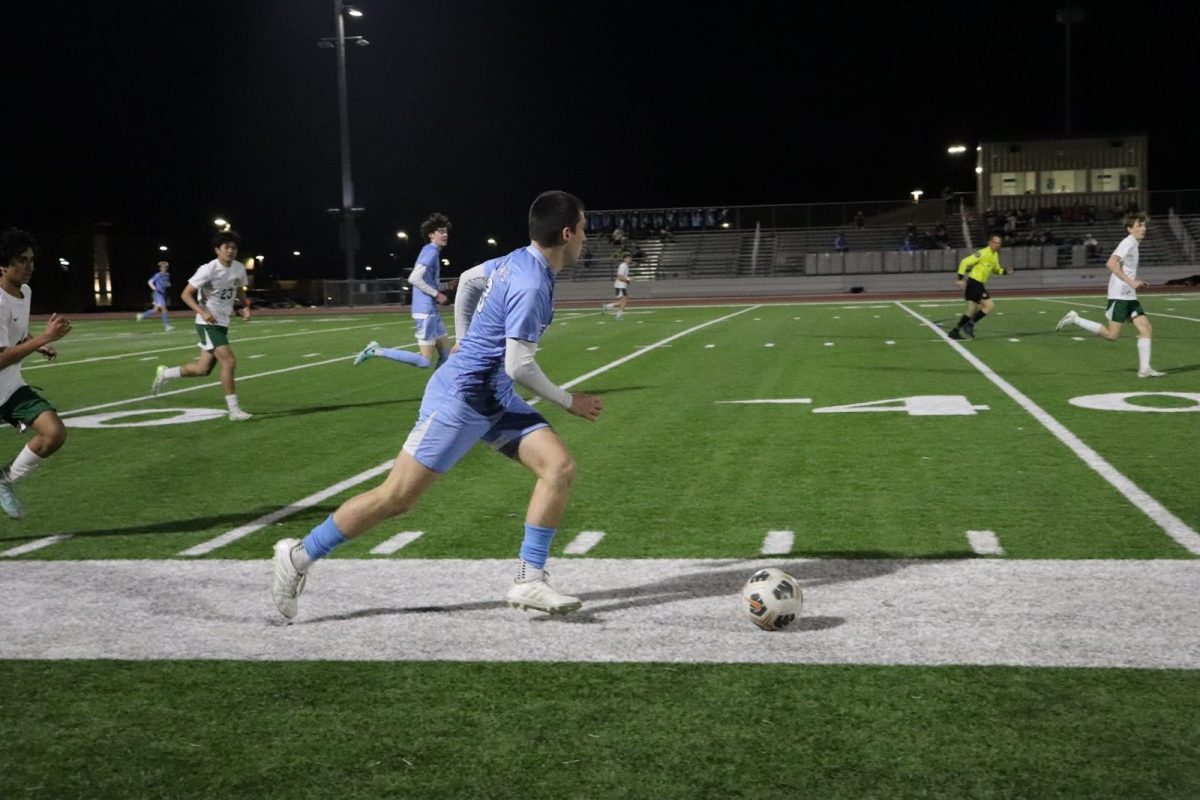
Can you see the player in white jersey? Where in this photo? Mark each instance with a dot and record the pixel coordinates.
(21, 406)
(1123, 304)
(210, 293)
(621, 287)
(472, 399)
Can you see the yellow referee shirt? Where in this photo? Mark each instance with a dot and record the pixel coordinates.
(982, 265)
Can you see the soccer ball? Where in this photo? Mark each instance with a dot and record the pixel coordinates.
(772, 599)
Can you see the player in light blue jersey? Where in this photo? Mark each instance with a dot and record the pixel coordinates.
(431, 331)
(159, 283)
(472, 399)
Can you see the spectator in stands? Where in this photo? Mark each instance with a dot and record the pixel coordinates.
(977, 268)
(839, 243)
(1090, 245)
(910, 244)
(859, 220)
(940, 237)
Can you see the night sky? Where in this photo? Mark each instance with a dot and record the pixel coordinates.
(158, 116)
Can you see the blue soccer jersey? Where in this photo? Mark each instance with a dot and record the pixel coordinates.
(160, 282)
(518, 303)
(431, 259)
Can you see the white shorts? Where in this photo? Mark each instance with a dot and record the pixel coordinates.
(430, 328)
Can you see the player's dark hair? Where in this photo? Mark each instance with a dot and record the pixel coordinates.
(550, 213)
(434, 222)
(1134, 218)
(13, 242)
(226, 236)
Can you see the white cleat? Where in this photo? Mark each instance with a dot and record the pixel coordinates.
(1067, 321)
(8, 498)
(365, 353)
(139, 316)
(237, 415)
(159, 380)
(288, 581)
(538, 595)
(1150, 373)
(168, 328)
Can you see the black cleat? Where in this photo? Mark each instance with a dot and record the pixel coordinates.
(954, 334)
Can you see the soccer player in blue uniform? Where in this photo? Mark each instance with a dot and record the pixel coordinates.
(159, 283)
(471, 399)
(431, 331)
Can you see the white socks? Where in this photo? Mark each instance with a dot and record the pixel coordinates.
(25, 462)
(1088, 325)
(231, 401)
(1143, 353)
(171, 372)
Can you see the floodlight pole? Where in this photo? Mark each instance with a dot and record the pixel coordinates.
(348, 234)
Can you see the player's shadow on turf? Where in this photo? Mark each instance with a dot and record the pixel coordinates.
(185, 525)
(299, 412)
(717, 582)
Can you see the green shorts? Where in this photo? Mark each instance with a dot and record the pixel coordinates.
(23, 407)
(1124, 310)
(212, 336)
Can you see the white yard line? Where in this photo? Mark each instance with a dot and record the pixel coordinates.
(985, 543)
(192, 346)
(397, 542)
(778, 543)
(300, 505)
(1103, 306)
(583, 543)
(36, 544)
(981, 611)
(1172, 525)
(311, 500)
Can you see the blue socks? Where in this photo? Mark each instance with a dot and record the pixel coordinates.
(403, 356)
(536, 547)
(323, 539)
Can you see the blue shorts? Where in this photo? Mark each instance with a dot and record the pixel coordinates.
(430, 329)
(447, 428)
(158, 299)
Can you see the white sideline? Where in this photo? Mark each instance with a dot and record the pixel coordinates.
(983, 611)
(1172, 525)
(311, 500)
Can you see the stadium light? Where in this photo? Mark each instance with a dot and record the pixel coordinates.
(979, 170)
(916, 195)
(221, 223)
(353, 11)
(402, 235)
(162, 248)
(368, 267)
(491, 241)
(295, 252)
(956, 149)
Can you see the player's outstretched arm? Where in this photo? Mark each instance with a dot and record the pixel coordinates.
(520, 365)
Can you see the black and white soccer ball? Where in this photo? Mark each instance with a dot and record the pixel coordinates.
(772, 599)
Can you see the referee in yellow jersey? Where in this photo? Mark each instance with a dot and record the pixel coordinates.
(977, 268)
